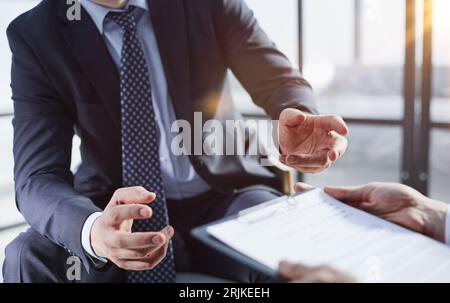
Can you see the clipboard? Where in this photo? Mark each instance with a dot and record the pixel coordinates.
(201, 234)
(327, 231)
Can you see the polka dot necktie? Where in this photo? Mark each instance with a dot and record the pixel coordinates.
(140, 148)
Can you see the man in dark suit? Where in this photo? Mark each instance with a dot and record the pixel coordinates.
(119, 78)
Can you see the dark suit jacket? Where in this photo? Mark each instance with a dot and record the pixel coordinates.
(64, 82)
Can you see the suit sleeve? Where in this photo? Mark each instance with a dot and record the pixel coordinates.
(262, 69)
(43, 133)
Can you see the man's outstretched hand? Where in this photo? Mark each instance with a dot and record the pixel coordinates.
(111, 235)
(309, 143)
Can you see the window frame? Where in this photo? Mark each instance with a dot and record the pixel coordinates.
(416, 120)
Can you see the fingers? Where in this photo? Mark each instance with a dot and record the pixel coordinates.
(312, 170)
(292, 271)
(308, 163)
(146, 263)
(303, 160)
(332, 150)
(325, 274)
(144, 250)
(338, 146)
(301, 187)
(135, 265)
(356, 194)
(143, 259)
(132, 195)
(292, 117)
(137, 240)
(298, 273)
(334, 123)
(160, 255)
(116, 215)
(134, 254)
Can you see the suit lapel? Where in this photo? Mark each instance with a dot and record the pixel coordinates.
(92, 54)
(169, 23)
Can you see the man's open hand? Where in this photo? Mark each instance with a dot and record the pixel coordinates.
(310, 144)
(111, 235)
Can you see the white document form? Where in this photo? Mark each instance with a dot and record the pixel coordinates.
(315, 229)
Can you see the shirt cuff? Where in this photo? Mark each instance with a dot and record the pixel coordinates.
(86, 236)
(447, 227)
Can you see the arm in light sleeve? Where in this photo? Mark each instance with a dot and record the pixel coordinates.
(86, 237)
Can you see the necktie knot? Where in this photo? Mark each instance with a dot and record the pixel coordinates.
(124, 19)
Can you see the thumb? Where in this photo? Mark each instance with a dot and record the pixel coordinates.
(291, 271)
(292, 117)
(132, 195)
(121, 213)
(353, 194)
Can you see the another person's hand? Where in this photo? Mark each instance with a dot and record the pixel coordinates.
(309, 143)
(111, 235)
(397, 203)
(298, 273)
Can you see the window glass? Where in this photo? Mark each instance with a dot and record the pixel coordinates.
(440, 165)
(440, 108)
(368, 158)
(354, 56)
(281, 25)
(9, 9)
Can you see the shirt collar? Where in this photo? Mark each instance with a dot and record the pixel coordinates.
(98, 12)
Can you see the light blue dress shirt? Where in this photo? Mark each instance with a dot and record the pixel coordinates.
(179, 177)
